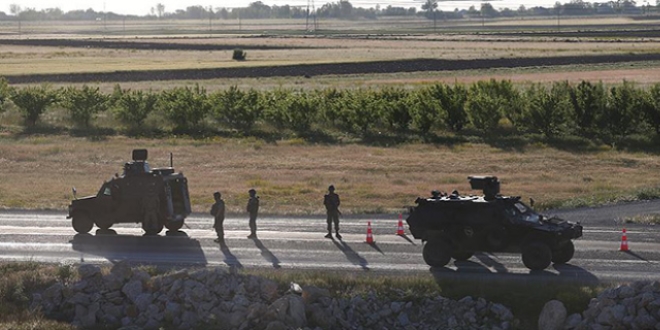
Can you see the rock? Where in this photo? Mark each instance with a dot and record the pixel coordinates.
(311, 294)
(573, 321)
(501, 312)
(402, 319)
(289, 309)
(295, 288)
(132, 289)
(88, 270)
(625, 292)
(112, 282)
(553, 315)
(143, 301)
(276, 325)
(396, 306)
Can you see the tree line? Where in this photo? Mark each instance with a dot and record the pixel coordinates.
(342, 9)
(489, 108)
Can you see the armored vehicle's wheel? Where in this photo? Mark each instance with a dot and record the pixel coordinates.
(174, 225)
(564, 253)
(154, 230)
(462, 255)
(81, 222)
(103, 225)
(536, 256)
(437, 252)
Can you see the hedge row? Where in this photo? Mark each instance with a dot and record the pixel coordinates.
(587, 109)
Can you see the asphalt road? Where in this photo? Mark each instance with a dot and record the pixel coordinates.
(298, 243)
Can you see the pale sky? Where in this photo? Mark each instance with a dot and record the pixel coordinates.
(141, 7)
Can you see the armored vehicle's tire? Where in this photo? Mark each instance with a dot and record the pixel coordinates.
(536, 256)
(564, 253)
(462, 255)
(104, 225)
(437, 252)
(81, 222)
(153, 231)
(173, 225)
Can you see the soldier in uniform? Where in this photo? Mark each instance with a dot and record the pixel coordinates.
(331, 202)
(218, 213)
(253, 209)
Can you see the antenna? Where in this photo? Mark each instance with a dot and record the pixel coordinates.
(171, 160)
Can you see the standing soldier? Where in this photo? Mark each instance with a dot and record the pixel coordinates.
(331, 202)
(218, 213)
(253, 209)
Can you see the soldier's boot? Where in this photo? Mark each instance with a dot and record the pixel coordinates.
(253, 235)
(329, 235)
(338, 235)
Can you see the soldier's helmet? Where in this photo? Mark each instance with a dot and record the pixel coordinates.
(217, 195)
(252, 191)
(331, 188)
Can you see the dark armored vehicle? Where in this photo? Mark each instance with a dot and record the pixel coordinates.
(455, 226)
(156, 198)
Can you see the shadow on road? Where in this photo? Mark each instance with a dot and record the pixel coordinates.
(230, 258)
(351, 255)
(636, 255)
(407, 239)
(376, 247)
(489, 261)
(172, 248)
(267, 254)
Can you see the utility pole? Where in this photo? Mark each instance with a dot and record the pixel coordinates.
(210, 19)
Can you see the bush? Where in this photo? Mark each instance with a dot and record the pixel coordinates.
(425, 112)
(133, 107)
(33, 102)
(239, 55)
(588, 103)
(395, 110)
(4, 92)
(237, 109)
(185, 107)
(621, 114)
(546, 110)
(83, 104)
(452, 101)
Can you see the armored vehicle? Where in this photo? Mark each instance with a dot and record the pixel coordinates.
(155, 198)
(457, 226)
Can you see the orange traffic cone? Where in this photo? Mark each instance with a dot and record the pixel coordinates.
(370, 235)
(399, 230)
(624, 241)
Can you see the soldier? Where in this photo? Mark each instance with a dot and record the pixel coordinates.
(331, 202)
(218, 213)
(253, 209)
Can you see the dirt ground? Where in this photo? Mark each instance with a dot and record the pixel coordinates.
(429, 65)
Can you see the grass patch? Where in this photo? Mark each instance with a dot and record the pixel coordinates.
(649, 219)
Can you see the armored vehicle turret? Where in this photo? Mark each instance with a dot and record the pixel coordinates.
(456, 226)
(155, 198)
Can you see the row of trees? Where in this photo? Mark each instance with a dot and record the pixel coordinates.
(587, 109)
(342, 9)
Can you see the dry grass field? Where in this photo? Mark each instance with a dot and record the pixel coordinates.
(292, 176)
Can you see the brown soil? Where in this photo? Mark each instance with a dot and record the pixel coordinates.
(309, 70)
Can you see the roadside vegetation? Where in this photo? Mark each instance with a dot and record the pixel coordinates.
(583, 116)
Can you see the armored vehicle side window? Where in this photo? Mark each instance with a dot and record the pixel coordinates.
(520, 212)
(107, 192)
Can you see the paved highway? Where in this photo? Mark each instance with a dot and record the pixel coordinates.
(298, 243)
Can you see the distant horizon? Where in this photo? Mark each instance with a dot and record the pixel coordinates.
(125, 7)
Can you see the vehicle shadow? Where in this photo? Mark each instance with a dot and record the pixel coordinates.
(265, 252)
(173, 248)
(351, 255)
(636, 255)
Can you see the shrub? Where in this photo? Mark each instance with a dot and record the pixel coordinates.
(185, 107)
(133, 107)
(237, 109)
(425, 112)
(650, 105)
(587, 102)
(239, 55)
(4, 92)
(484, 110)
(395, 109)
(546, 109)
(83, 104)
(33, 101)
(452, 101)
(620, 117)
